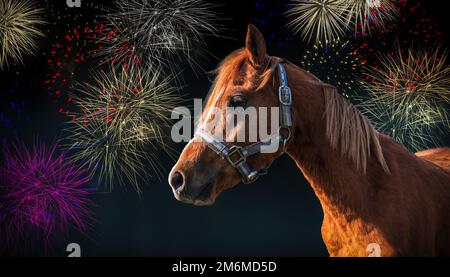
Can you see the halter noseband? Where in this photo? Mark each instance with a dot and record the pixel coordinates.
(237, 156)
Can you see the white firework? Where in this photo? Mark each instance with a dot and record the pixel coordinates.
(19, 22)
(319, 20)
(159, 32)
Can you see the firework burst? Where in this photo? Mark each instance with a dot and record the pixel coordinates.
(159, 31)
(19, 22)
(364, 14)
(336, 63)
(125, 112)
(67, 58)
(414, 24)
(72, 56)
(319, 20)
(43, 192)
(409, 97)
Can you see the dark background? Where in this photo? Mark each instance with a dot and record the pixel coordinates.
(277, 216)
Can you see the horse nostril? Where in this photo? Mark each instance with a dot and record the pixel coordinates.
(177, 180)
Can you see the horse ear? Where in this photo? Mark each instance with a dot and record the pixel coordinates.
(256, 46)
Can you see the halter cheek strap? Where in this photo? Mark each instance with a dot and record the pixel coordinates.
(285, 98)
(237, 156)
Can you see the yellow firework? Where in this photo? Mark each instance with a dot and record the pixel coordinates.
(336, 63)
(319, 20)
(122, 127)
(409, 97)
(364, 14)
(19, 22)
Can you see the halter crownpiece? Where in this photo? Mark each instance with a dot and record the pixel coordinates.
(237, 156)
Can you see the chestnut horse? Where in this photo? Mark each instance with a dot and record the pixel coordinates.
(371, 189)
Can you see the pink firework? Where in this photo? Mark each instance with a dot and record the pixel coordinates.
(42, 192)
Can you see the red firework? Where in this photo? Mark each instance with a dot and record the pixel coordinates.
(412, 26)
(74, 55)
(67, 58)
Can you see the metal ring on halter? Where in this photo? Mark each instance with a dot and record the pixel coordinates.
(284, 140)
(288, 132)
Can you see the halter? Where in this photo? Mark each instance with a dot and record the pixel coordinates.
(236, 155)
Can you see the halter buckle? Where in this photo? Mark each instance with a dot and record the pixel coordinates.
(235, 152)
(285, 95)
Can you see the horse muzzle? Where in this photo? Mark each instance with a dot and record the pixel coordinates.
(199, 194)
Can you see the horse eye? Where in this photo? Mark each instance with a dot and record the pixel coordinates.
(237, 101)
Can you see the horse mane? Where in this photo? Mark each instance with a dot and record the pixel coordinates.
(350, 132)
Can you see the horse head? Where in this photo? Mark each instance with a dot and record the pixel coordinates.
(244, 79)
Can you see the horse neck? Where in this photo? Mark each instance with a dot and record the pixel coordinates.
(334, 178)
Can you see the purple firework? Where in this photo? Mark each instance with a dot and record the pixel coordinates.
(42, 190)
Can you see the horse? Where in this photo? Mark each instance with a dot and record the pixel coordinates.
(372, 190)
